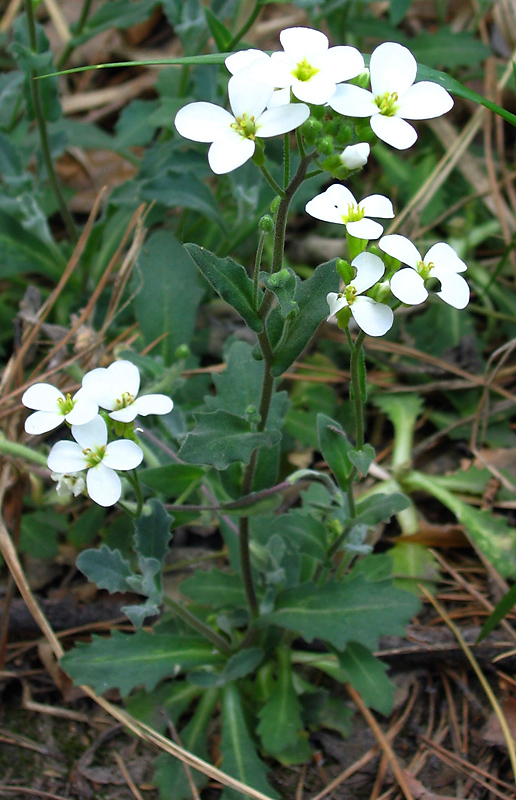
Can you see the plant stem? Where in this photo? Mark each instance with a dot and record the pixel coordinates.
(257, 265)
(194, 622)
(270, 180)
(16, 450)
(286, 160)
(81, 22)
(357, 394)
(247, 24)
(135, 482)
(42, 130)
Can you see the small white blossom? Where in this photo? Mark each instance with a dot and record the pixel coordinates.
(69, 484)
(355, 156)
(91, 452)
(337, 204)
(308, 65)
(441, 262)
(394, 97)
(372, 317)
(52, 408)
(116, 389)
(233, 135)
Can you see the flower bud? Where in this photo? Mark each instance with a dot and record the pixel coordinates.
(279, 278)
(183, 351)
(266, 224)
(311, 130)
(331, 127)
(355, 156)
(343, 316)
(275, 204)
(362, 80)
(345, 270)
(259, 153)
(324, 146)
(319, 112)
(345, 134)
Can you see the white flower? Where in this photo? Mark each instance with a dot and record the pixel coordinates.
(69, 483)
(373, 318)
(243, 59)
(308, 66)
(52, 408)
(233, 135)
(394, 97)
(91, 452)
(441, 262)
(337, 204)
(116, 389)
(355, 156)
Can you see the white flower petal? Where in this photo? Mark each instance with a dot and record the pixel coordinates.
(335, 302)
(355, 156)
(247, 96)
(92, 435)
(42, 397)
(123, 454)
(317, 90)
(376, 205)
(42, 422)
(126, 414)
(442, 255)
(370, 269)
(364, 229)
(373, 318)
(401, 248)
(203, 122)
(83, 411)
(243, 59)
(409, 287)
(454, 289)
(126, 375)
(330, 205)
(280, 97)
(393, 69)
(352, 101)
(154, 404)
(424, 100)
(300, 43)
(282, 119)
(394, 131)
(229, 153)
(342, 63)
(66, 457)
(276, 72)
(104, 485)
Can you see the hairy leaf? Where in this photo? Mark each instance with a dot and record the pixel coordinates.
(106, 568)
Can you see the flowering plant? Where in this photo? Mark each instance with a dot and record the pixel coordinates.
(304, 590)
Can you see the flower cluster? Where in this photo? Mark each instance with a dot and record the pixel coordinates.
(90, 462)
(328, 95)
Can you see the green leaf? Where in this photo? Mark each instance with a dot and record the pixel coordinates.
(230, 281)
(116, 14)
(221, 439)
(449, 49)
(280, 717)
(172, 698)
(142, 659)
(397, 10)
(313, 308)
(503, 608)
(356, 610)
(284, 287)
(216, 589)
(335, 447)
(243, 663)
(39, 533)
(185, 191)
(86, 529)
(29, 252)
(133, 128)
(379, 508)
(414, 564)
(221, 36)
(493, 536)
(152, 532)
(105, 568)
(239, 756)
(367, 675)
(170, 776)
(167, 294)
(36, 63)
(171, 479)
(362, 459)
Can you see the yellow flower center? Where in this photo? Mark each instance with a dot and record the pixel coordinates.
(245, 126)
(424, 269)
(65, 405)
(350, 294)
(94, 457)
(387, 103)
(126, 399)
(355, 214)
(304, 71)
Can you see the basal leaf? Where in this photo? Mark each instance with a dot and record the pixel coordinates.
(105, 568)
(32, 254)
(338, 613)
(505, 605)
(124, 661)
(379, 508)
(221, 36)
(152, 532)
(216, 589)
(171, 697)
(367, 675)
(280, 717)
(185, 191)
(220, 439)
(230, 281)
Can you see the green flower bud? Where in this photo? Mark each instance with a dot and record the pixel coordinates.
(345, 134)
(362, 80)
(324, 146)
(266, 224)
(183, 351)
(319, 112)
(331, 127)
(259, 153)
(279, 278)
(275, 203)
(343, 316)
(345, 270)
(364, 131)
(311, 130)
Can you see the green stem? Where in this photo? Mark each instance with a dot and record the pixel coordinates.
(247, 24)
(286, 160)
(270, 180)
(16, 450)
(135, 483)
(81, 22)
(42, 130)
(257, 265)
(194, 622)
(357, 394)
